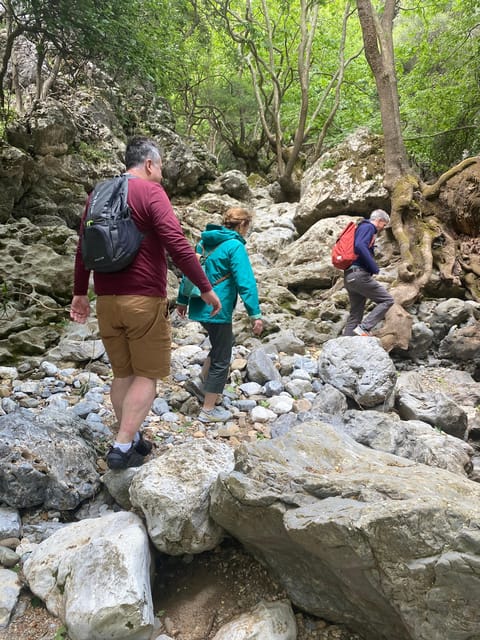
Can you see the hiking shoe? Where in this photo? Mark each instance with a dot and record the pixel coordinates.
(360, 331)
(217, 414)
(142, 446)
(117, 459)
(194, 386)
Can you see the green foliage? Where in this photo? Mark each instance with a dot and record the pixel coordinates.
(328, 164)
(259, 44)
(135, 41)
(436, 47)
(203, 57)
(437, 54)
(93, 154)
(158, 41)
(61, 634)
(35, 602)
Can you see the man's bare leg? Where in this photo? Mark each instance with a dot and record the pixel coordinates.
(118, 391)
(132, 399)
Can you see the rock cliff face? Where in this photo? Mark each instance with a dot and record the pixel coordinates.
(57, 152)
(52, 159)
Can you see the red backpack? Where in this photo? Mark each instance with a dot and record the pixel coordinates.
(343, 253)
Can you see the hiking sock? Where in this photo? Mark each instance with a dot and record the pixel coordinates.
(124, 447)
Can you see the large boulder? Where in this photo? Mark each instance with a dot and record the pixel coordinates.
(15, 168)
(47, 130)
(359, 537)
(345, 180)
(412, 439)
(45, 461)
(95, 576)
(445, 398)
(306, 262)
(37, 263)
(187, 165)
(172, 491)
(361, 369)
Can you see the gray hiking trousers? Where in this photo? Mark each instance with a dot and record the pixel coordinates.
(221, 339)
(361, 286)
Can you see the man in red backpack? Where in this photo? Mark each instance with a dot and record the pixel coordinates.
(358, 280)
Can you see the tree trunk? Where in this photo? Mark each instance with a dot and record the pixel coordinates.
(38, 71)
(378, 41)
(17, 87)
(12, 32)
(50, 81)
(424, 241)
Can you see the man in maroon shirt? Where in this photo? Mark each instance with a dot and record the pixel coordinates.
(132, 305)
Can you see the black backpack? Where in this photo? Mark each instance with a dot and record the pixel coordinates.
(110, 239)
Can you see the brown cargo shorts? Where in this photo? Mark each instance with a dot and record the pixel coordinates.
(136, 333)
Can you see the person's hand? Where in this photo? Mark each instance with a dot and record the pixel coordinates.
(182, 310)
(211, 298)
(257, 326)
(80, 309)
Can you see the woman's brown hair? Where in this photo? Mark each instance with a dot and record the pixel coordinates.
(235, 216)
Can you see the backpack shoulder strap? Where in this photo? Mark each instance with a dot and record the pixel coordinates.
(200, 256)
(120, 189)
(109, 198)
(372, 239)
(204, 255)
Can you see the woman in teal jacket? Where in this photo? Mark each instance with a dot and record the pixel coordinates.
(228, 268)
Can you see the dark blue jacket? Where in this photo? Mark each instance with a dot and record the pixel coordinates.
(364, 246)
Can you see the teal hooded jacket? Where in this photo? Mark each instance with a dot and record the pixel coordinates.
(227, 254)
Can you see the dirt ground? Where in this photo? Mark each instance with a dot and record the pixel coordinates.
(193, 597)
(31, 621)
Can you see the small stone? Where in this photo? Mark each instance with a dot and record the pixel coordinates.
(11, 543)
(8, 558)
(228, 430)
(302, 405)
(239, 364)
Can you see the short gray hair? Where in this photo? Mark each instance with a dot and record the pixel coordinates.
(139, 149)
(380, 214)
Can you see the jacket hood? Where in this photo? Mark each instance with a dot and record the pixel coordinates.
(215, 234)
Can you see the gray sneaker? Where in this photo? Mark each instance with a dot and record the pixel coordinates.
(217, 414)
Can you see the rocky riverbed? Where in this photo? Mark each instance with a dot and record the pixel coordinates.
(274, 385)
